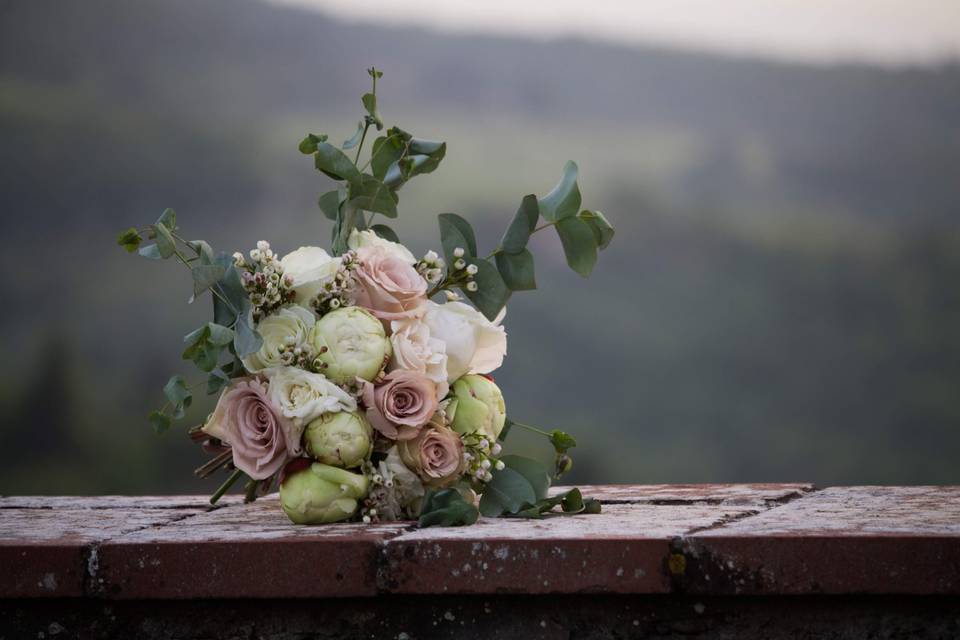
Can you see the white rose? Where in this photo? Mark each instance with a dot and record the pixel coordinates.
(407, 487)
(289, 322)
(360, 239)
(302, 396)
(415, 349)
(473, 343)
(310, 268)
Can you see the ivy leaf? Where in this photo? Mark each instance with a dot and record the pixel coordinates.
(564, 200)
(385, 232)
(159, 421)
(534, 473)
(456, 232)
(516, 269)
(354, 140)
(329, 203)
(446, 508)
(205, 276)
(129, 239)
(373, 195)
(507, 492)
(602, 231)
(492, 293)
(178, 395)
(370, 104)
(308, 145)
(523, 223)
(579, 245)
(335, 163)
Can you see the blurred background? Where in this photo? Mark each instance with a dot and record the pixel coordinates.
(781, 302)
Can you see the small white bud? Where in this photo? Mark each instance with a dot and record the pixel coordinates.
(472, 269)
(499, 466)
(484, 443)
(373, 512)
(452, 296)
(459, 264)
(488, 477)
(263, 245)
(458, 252)
(485, 464)
(479, 474)
(471, 286)
(431, 256)
(255, 255)
(496, 449)
(335, 303)
(366, 519)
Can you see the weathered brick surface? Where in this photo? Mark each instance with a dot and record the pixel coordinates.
(694, 539)
(838, 540)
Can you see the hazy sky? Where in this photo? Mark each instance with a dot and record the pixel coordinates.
(890, 32)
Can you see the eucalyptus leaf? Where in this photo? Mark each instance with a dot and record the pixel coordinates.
(492, 293)
(564, 200)
(446, 508)
(217, 380)
(354, 140)
(329, 203)
(246, 339)
(205, 276)
(203, 250)
(168, 219)
(579, 245)
(385, 152)
(456, 232)
(385, 232)
(335, 163)
(507, 492)
(372, 195)
(602, 230)
(151, 252)
(129, 239)
(532, 470)
(159, 421)
(516, 269)
(166, 245)
(523, 223)
(178, 394)
(309, 144)
(370, 104)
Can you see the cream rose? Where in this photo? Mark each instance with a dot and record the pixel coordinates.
(473, 343)
(367, 238)
(415, 349)
(290, 326)
(387, 286)
(302, 396)
(310, 268)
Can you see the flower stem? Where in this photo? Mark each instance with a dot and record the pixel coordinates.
(531, 428)
(226, 486)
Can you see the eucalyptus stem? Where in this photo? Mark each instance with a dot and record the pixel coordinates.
(215, 289)
(226, 486)
(532, 428)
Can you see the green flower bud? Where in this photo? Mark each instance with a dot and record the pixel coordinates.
(350, 343)
(342, 439)
(477, 406)
(318, 493)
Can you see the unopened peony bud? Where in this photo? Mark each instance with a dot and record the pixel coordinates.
(318, 493)
(342, 439)
(479, 407)
(351, 343)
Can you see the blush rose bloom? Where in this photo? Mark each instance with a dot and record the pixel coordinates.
(415, 349)
(401, 404)
(261, 437)
(360, 239)
(387, 286)
(473, 343)
(436, 455)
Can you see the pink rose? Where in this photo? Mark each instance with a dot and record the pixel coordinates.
(402, 403)
(436, 455)
(387, 286)
(262, 439)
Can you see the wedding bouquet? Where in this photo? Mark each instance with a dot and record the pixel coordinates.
(359, 380)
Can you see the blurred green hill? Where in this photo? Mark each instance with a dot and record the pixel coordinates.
(780, 302)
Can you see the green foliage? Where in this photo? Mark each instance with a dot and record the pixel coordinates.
(523, 223)
(372, 195)
(385, 232)
(492, 293)
(354, 140)
(308, 146)
(159, 421)
(205, 276)
(455, 232)
(564, 200)
(330, 201)
(335, 164)
(178, 396)
(532, 471)
(507, 493)
(205, 345)
(602, 231)
(446, 508)
(129, 239)
(579, 244)
(516, 269)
